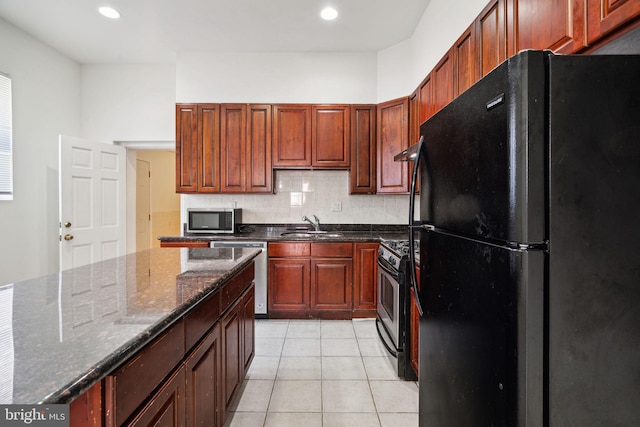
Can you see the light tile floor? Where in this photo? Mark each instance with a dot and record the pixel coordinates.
(322, 373)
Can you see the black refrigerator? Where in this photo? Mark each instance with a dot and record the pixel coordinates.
(530, 247)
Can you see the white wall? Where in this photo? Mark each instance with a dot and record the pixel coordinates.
(128, 102)
(276, 78)
(441, 25)
(46, 103)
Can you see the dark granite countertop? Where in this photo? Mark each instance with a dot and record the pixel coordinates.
(64, 332)
(273, 233)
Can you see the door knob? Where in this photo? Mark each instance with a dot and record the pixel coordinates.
(68, 237)
(67, 224)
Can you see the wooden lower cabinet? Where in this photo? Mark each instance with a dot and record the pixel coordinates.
(414, 331)
(203, 393)
(331, 286)
(184, 244)
(166, 408)
(310, 280)
(364, 279)
(191, 373)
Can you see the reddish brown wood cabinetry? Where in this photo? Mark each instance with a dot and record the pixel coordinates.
(189, 374)
(414, 330)
(491, 37)
(203, 394)
(464, 61)
(443, 78)
(330, 134)
(310, 280)
(364, 279)
(552, 24)
(291, 136)
(197, 148)
(184, 244)
(245, 149)
(392, 137)
(605, 16)
(362, 175)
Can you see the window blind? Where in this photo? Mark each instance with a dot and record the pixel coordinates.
(6, 140)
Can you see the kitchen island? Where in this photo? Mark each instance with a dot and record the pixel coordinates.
(92, 327)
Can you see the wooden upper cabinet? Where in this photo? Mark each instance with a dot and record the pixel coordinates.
(233, 124)
(604, 16)
(491, 37)
(186, 148)
(209, 148)
(443, 82)
(362, 175)
(330, 133)
(259, 172)
(392, 137)
(425, 99)
(292, 136)
(197, 148)
(464, 61)
(245, 147)
(557, 25)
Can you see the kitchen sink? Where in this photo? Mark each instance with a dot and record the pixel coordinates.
(311, 234)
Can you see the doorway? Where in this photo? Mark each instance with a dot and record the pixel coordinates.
(157, 204)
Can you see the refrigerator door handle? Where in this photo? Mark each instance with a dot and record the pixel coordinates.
(412, 225)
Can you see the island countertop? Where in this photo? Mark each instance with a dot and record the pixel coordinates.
(64, 332)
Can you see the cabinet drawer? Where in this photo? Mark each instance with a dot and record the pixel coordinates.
(289, 249)
(130, 386)
(233, 289)
(201, 318)
(332, 250)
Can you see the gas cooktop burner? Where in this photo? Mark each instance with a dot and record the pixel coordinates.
(400, 247)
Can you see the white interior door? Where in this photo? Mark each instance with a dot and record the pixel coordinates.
(92, 201)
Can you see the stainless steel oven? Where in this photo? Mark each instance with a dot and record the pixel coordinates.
(392, 320)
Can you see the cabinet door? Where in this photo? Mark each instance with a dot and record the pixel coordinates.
(553, 24)
(233, 123)
(186, 148)
(232, 367)
(208, 148)
(259, 172)
(331, 284)
(604, 16)
(203, 395)
(392, 138)
(166, 408)
(443, 91)
(288, 284)
(464, 61)
(362, 175)
(414, 335)
(248, 329)
(330, 133)
(291, 136)
(491, 37)
(364, 279)
(425, 99)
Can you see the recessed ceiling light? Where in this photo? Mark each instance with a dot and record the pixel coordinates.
(329, 13)
(109, 12)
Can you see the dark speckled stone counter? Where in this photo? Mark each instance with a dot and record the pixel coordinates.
(66, 331)
(273, 233)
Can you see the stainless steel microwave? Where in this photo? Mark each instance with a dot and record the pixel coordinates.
(211, 220)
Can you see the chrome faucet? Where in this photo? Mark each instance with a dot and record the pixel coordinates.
(316, 224)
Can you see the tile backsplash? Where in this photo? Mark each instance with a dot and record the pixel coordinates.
(297, 193)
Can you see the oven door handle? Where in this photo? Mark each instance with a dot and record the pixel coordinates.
(384, 265)
(412, 199)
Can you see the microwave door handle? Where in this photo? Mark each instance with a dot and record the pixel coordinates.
(412, 225)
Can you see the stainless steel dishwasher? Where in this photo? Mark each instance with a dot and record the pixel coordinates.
(260, 269)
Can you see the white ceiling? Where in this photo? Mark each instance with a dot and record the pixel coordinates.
(156, 30)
